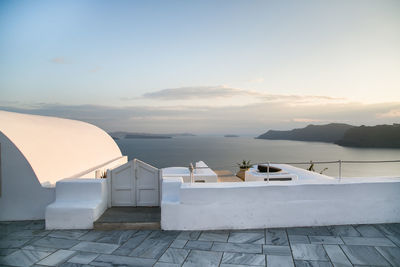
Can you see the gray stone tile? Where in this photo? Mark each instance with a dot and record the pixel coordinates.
(203, 258)
(235, 265)
(299, 239)
(164, 235)
(246, 237)
(343, 230)
(236, 247)
(95, 247)
(368, 241)
(368, 231)
(166, 264)
(93, 235)
(44, 249)
(28, 233)
(68, 234)
(13, 243)
(52, 242)
(83, 257)
(174, 255)
(277, 250)
(334, 240)
(36, 225)
(279, 261)
(114, 260)
(200, 245)
(151, 248)
(218, 236)
(189, 235)
(276, 237)
(394, 239)
(364, 255)
(7, 251)
(117, 237)
(391, 254)
(57, 258)
(243, 258)
(132, 243)
(178, 243)
(336, 255)
(320, 230)
(309, 252)
(23, 258)
(300, 263)
(70, 264)
(389, 229)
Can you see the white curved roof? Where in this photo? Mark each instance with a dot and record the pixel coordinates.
(58, 148)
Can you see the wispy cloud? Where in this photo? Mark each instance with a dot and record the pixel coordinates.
(58, 60)
(394, 113)
(307, 120)
(250, 119)
(196, 92)
(228, 96)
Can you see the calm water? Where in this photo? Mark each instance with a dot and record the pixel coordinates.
(224, 153)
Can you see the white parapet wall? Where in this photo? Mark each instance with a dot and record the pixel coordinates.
(79, 203)
(253, 205)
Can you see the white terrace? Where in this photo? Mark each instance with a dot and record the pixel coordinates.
(51, 169)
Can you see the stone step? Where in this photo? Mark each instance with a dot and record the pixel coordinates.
(127, 226)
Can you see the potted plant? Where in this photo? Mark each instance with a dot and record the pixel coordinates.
(243, 166)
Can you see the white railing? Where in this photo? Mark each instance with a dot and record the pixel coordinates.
(339, 162)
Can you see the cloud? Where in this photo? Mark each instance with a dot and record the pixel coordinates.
(196, 92)
(227, 96)
(58, 60)
(394, 113)
(250, 119)
(306, 120)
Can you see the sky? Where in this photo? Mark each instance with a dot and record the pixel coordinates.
(205, 67)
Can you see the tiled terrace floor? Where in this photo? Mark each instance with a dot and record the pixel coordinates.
(26, 244)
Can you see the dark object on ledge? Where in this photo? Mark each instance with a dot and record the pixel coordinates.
(264, 168)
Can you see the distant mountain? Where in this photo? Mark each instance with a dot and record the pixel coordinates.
(181, 134)
(372, 136)
(322, 133)
(231, 135)
(146, 136)
(129, 135)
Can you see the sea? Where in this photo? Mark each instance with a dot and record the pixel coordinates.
(223, 153)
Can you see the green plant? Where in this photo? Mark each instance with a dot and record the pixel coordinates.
(244, 164)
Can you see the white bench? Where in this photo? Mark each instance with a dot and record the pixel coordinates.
(79, 203)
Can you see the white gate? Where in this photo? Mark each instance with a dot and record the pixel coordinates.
(135, 183)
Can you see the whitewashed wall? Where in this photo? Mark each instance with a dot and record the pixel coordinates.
(22, 196)
(38, 150)
(261, 205)
(58, 148)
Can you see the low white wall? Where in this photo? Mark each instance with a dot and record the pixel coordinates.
(279, 204)
(79, 203)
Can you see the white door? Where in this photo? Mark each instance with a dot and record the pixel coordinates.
(135, 183)
(147, 184)
(123, 191)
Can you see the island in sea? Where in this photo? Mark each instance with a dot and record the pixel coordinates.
(385, 136)
(129, 135)
(231, 135)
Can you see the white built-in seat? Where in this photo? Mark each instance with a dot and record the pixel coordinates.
(79, 203)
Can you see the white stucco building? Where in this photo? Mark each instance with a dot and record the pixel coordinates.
(38, 151)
